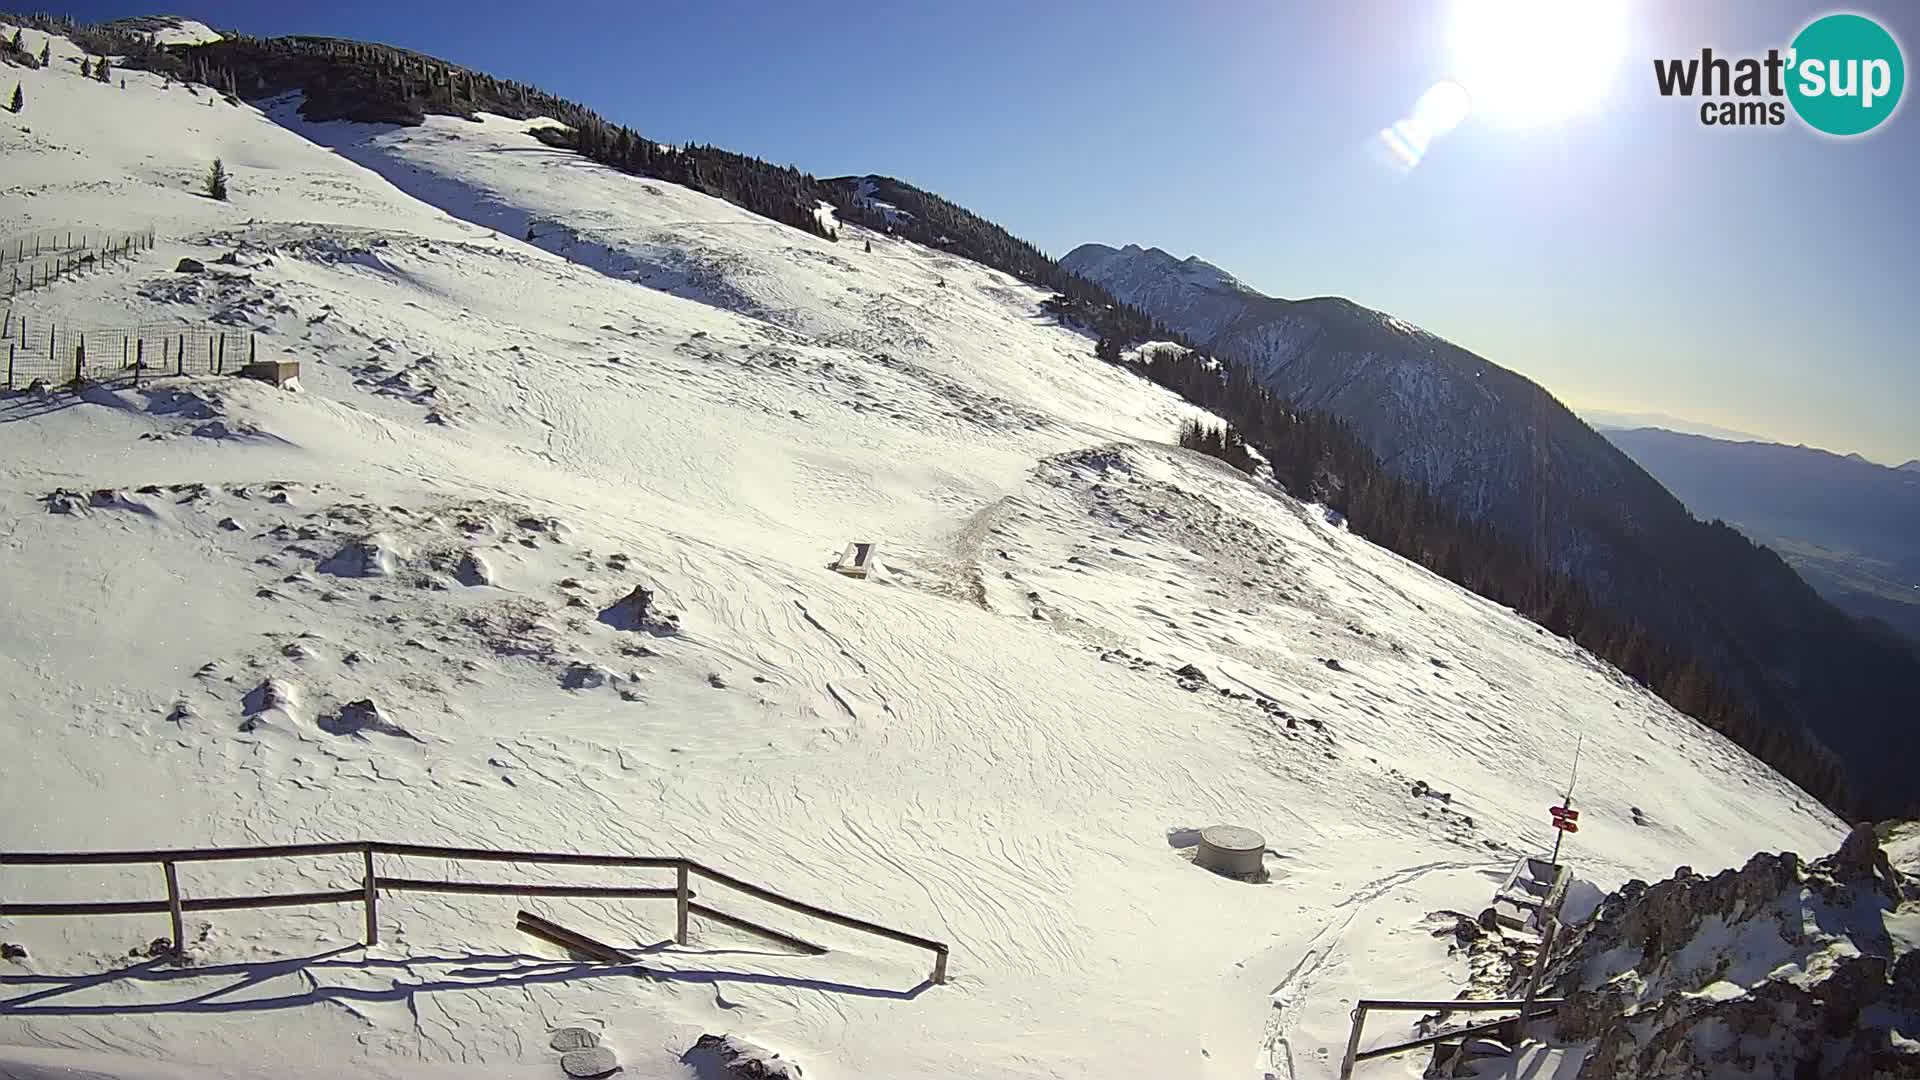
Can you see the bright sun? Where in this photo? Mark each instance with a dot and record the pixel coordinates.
(1533, 62)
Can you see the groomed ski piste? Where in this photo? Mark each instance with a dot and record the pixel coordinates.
(494, 439)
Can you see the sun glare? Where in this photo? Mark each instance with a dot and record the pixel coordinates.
(1535, 62)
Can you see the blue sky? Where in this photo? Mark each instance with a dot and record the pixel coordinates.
(1762, 278)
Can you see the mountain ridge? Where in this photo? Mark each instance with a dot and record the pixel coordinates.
(1501, 449)
(1849, 526)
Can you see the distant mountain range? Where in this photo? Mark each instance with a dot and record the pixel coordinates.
(1603, 419)
(1501, 449)
(1851, 527)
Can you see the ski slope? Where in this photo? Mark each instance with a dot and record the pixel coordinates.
(495, 438)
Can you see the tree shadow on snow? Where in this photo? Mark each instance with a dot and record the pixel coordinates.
(464, 973)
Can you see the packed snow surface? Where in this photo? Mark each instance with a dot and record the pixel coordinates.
(387, 605)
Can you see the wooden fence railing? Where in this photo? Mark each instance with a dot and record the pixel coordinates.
(1531, 1009)
(177, 903)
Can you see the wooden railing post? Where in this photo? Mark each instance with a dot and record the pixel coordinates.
(1533, 979)
(680, 899)
(940, 967)
(367, 884)
(173, 909)
(1353, 1041)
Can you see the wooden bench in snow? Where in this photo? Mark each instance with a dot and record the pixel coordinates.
(1535, 886)
(858, 560)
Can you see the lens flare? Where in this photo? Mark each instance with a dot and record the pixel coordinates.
(1439, 110)
(1442, 108)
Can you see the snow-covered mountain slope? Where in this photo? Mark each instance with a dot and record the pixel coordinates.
(1502, 450)
(386, 605)
(169, 29)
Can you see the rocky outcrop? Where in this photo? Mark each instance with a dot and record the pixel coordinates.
(738, 1059)
(1779, 969)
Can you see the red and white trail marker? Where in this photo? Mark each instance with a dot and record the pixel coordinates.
(1565, 818)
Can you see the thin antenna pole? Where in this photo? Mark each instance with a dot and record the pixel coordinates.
(1566, 800)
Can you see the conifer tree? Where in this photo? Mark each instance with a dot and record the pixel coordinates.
(46, 49)
(86, 68)
(103, 70)
(216, 183)
(19, 101)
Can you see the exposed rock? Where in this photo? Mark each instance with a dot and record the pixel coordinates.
(574, 1038)
(369, 556)
(738, 1059)
(473, 569)
(1779, 969)
(585, 1064)
(635, 611)
(189, 266)
(579, 676)
(360, 717)
(10, 951)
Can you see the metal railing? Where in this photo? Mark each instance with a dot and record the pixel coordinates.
(177, 903)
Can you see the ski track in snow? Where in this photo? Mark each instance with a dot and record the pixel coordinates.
(987, 743)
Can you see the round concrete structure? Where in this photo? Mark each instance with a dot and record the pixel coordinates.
(1232, 850)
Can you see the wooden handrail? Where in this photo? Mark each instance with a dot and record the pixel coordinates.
(493, 888)
(175, 855)
(1354, 1055)
(1457, 1005)
(557, 858)
(1443, 1036)
(366, 891)
(820, 913)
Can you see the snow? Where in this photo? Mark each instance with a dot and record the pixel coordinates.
(175, 30)
(990, 747)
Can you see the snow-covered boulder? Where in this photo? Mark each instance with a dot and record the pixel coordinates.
(736, 1058)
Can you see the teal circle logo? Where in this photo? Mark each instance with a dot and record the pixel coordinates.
(1846, 74)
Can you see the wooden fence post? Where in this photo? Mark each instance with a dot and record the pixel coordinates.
(680, 903)
(180, 354)
(1533, 979)
(123, 352)
(373, 925)
(139, 358)
(9, 365)
(80, 361)
(249, 348)
(1353, 1042)
(220, 357)
(173, 909)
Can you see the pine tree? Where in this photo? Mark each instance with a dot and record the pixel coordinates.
(86, 68)
(15, 45)
(103, 70)
(46, 50)
(216, 184)
(19, 101)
